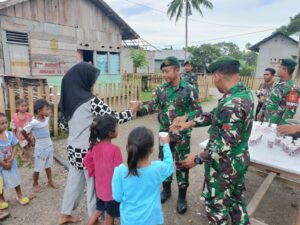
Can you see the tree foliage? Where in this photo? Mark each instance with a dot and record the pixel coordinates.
(203, 55)
(139, 58)
(293, 26)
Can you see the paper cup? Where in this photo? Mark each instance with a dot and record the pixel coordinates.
(162, 134)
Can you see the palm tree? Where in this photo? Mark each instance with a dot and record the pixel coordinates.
(176, 8)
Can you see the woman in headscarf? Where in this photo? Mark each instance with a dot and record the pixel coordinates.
(78, 107)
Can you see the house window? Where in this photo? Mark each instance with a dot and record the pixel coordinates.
(102, 62)
(108, 63)
(16, 53)
(114, 63)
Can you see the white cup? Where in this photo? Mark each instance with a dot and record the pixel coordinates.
(162, 134)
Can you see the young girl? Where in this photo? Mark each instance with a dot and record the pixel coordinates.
(137, 185)
(19, 121)
(43, 151)
(100, 162)
(8, 164)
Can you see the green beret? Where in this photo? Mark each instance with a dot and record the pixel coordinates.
(187, 63)
(288, 63)
(222, 61)
(170, 61)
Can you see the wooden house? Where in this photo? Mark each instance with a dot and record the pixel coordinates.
(44, 38)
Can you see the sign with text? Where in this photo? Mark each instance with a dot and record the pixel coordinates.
(44, 68)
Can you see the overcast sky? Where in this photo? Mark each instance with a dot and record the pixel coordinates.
(228, 18)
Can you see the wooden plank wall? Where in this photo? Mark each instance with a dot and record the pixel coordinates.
(57, 29)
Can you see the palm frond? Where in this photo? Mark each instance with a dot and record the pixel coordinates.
(175, 8)
(198, 3)
(179, 12)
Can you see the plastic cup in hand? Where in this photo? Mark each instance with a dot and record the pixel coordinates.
(163, 135)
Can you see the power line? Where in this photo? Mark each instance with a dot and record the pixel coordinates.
(199, 21)
(220, 38)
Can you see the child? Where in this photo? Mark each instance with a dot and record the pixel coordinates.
(137, 185)
(19, 121)
(100, 162)
(43, 151)
(8, 164)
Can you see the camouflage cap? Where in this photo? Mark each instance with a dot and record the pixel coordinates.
(222, 61)
(170, 61)
(288, 63)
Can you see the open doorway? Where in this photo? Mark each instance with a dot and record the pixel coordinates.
(86, 56)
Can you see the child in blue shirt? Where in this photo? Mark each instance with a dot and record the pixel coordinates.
(8, 164)
(137, 185)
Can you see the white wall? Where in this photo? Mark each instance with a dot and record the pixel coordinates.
(277, 48)
(127, 66)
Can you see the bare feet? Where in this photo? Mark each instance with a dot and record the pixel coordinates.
(37, 188)
(53, 185)
(68, 219)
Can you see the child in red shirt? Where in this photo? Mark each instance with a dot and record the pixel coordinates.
(100, 162)
(18, 122)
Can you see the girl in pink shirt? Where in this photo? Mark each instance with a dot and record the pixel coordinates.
(100, 162)
(18, 122)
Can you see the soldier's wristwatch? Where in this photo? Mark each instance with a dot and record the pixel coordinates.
(197, 160)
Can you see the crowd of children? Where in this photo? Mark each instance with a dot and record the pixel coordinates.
(25, 128)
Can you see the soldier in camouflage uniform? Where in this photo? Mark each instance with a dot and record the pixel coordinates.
(264, 90)
(172, 99)
(284, 98)
(226, 155)
(189, 76)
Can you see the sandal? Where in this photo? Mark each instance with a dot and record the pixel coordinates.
(23, 201)
(4, 205)
(3, 215)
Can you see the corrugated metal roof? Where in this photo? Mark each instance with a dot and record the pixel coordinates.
(162, 54)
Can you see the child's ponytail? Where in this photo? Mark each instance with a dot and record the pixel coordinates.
(139, 144)
(132, 159)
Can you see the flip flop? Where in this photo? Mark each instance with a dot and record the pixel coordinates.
(23, 201)
(4, 215)
(4, 205)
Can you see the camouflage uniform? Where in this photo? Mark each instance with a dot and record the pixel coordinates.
(171, 102)
(192, 79)
(231, 124)
(278, 107)
(263, 93)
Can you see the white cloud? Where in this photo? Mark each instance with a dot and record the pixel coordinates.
(248, 15)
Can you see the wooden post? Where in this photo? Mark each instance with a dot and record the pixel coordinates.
(12, 102)
(119, 97)
(55, 111)
(2, 102)
(30, 99)
(123, 96)
(253, 204)
(114, 96)
(40, 92)
(47, 93)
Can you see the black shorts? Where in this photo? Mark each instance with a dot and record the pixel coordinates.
(111, 207)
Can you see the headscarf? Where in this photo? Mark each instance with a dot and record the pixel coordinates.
(76, 88)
